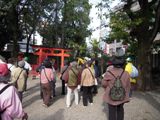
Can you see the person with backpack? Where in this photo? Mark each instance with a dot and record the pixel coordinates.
(72, 83)
(10, 104)
(133, 72)
(116, 83)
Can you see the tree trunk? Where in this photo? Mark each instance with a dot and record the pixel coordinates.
(15, 28)
(63, 25)
(144, 65)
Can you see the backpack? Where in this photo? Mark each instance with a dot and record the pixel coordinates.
(1, 91)
(134, 72)
(117, 92)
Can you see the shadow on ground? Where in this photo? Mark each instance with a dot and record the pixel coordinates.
(150, 98)
(35, 92)
(57, 115)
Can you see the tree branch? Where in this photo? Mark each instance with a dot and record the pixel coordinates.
(152, 2)
(156, 25)
(23, 5)
(127, 9)
(143, 4)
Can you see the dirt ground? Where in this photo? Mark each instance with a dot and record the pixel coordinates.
(143, 106)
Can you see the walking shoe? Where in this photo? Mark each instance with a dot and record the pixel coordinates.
(68, 106)
(44, 105)
(91, 104)
(84, 106)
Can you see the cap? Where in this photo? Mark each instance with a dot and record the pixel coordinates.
(117, 60)
(3, 69)
(26, 58)
(21, 64)
(128, 59)
(74, 63)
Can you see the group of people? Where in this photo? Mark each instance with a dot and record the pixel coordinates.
(74, 76)
(84, 75)
(79, 75)
(13, 82)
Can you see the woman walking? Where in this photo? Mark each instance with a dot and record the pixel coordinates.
(46, 76)
(87, 82)
(116, 110)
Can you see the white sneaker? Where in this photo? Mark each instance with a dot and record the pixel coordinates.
(91, 104)
(68, 106)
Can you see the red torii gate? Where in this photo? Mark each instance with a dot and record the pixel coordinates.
(44, 52)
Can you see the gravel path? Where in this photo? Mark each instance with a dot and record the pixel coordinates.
(143, 106)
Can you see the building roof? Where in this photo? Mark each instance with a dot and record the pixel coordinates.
(22, 47)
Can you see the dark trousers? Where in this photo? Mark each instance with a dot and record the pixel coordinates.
(87, 95)
(25, 84)
(53, 88)
(20, 94)
(116, 112)
(63, 88)
(133, 88)
(26, 79)
(46, 90)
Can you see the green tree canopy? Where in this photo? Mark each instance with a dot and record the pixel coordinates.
(57, 21)
(138, 26)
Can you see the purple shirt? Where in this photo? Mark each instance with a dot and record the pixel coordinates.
(9, 99)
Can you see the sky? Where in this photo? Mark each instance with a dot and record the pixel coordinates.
(95, 21)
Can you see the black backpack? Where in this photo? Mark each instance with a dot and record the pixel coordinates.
(117, 92)
(1, 91)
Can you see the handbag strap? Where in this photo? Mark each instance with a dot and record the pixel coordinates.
(46, 75)
(19, 75)
(4, 88)
(91, 73)
(65, 70)
(74, 72)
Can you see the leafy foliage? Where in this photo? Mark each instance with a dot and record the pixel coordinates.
(58, 21)
(63, 24)
(138, 28)
(95, 49)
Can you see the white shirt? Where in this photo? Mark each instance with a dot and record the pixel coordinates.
(11, 66)
(27, 66)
